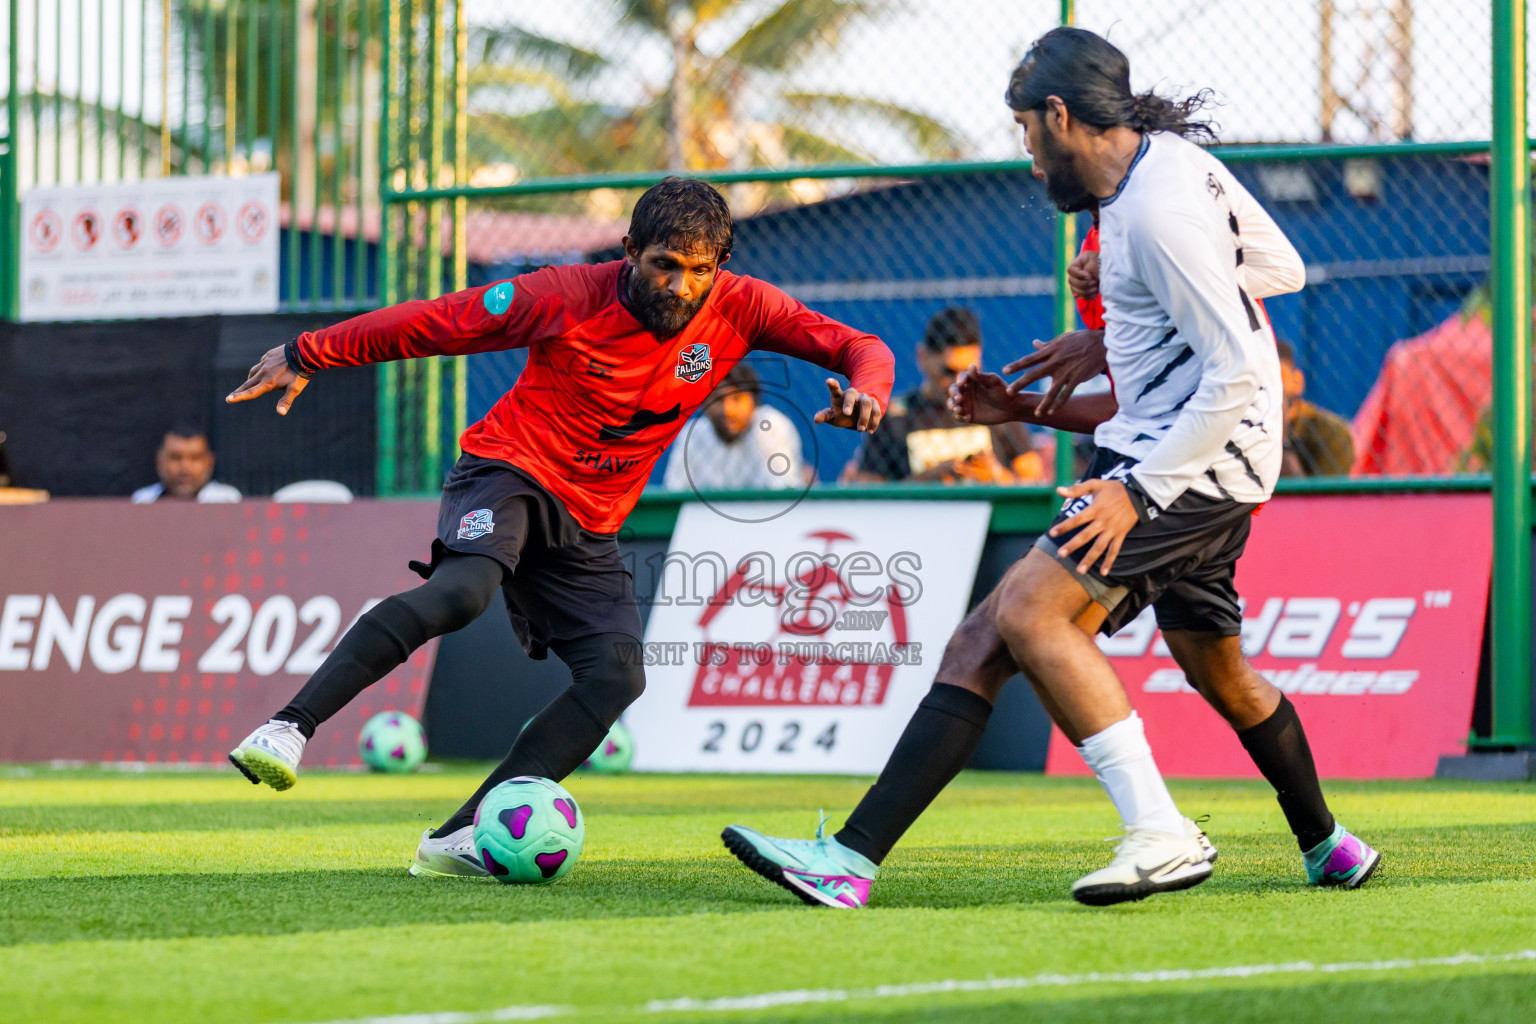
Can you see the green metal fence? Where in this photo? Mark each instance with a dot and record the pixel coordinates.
(119, 90)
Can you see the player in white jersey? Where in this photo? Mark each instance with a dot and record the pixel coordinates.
(1189, 447)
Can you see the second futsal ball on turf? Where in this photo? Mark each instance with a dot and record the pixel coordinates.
(614, 753)
(529, 831)
(392, 741)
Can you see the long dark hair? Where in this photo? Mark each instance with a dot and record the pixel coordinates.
(1093, 79)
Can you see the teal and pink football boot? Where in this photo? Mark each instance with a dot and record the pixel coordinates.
(821, 871)
(1341, 859)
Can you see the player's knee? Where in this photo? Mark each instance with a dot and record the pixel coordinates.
(1034, 605)
(463, 606)
(1019, 619)
(454, 601)
(976, 658)
(616, 671)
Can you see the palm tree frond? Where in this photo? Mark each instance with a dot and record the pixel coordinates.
(930, 136)
(808, 148)
(789, 34)
(515, 45)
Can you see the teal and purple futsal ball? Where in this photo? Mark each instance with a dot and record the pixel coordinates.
(529, 831)
(392, 741)
(614, 753)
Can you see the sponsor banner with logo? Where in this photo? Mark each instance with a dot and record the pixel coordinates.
(162, 247)
(1367, 612)
(167, 632)
(799, 637)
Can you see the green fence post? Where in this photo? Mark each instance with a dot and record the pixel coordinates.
(316, 275)
(387, 391)
(339, 78)
(1509, 191)
(430, 470)
(10, 228)
(295, 149)
(461, 204)
(1065, 307)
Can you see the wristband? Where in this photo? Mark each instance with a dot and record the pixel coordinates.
(1146, 509)
(296, 359)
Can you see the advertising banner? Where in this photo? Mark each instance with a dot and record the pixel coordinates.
(1366, 611)
(799, 640)
(159, 247)
(166, 632)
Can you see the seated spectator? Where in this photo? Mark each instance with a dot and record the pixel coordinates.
(747, 445)
(919, 440)
(1317, 442)
(184, 464)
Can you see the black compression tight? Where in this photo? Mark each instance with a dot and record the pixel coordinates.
(460, 589)
(606, 678)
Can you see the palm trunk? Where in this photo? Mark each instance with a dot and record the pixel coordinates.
(679, 124)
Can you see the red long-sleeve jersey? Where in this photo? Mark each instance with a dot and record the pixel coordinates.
(601, 397)
(1091, 310)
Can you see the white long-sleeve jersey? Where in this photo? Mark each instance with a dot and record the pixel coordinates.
(1184, 251)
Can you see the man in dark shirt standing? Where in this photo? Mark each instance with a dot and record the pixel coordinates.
(1317, 441)
(920, 441)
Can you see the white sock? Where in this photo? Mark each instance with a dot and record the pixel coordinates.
(1122, 760)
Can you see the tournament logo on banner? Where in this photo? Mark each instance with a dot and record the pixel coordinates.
(1366, 611)
(804, 642)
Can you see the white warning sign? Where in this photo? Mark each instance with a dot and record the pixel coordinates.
(163, 247)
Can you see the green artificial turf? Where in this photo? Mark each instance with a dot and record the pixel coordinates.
(176, 897)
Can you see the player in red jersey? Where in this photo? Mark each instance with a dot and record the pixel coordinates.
(619, 356)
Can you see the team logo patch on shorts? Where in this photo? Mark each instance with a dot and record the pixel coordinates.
(477, 524)
(693, 362)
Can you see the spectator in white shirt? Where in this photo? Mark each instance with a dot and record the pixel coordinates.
(184, 464)
(737, 444)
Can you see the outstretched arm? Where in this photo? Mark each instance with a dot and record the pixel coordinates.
(785, 325)
(979, 397)
(508, 314)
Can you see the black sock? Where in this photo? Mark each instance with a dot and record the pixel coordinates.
(1278, 746)
(936, 744)
(606, 678)
(460, 589)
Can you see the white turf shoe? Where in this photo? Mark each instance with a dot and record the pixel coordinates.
(1146, 861)
(454, 854)
(270, 754)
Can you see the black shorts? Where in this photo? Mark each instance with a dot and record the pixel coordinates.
(562, 582)
(1183, 563)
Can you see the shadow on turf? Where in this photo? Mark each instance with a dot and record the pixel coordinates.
(206, 817)
(209, 904)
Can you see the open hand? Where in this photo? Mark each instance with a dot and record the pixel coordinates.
(1068, 360)
(982, 397)
(1110, 515)
(850, 409)
(270, 373)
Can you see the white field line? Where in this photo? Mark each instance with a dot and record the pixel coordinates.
(794, 997)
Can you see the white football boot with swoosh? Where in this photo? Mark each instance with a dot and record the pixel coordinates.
(1146, 862)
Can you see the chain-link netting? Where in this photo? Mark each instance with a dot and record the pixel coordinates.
(596, 85)
(1389, 350)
